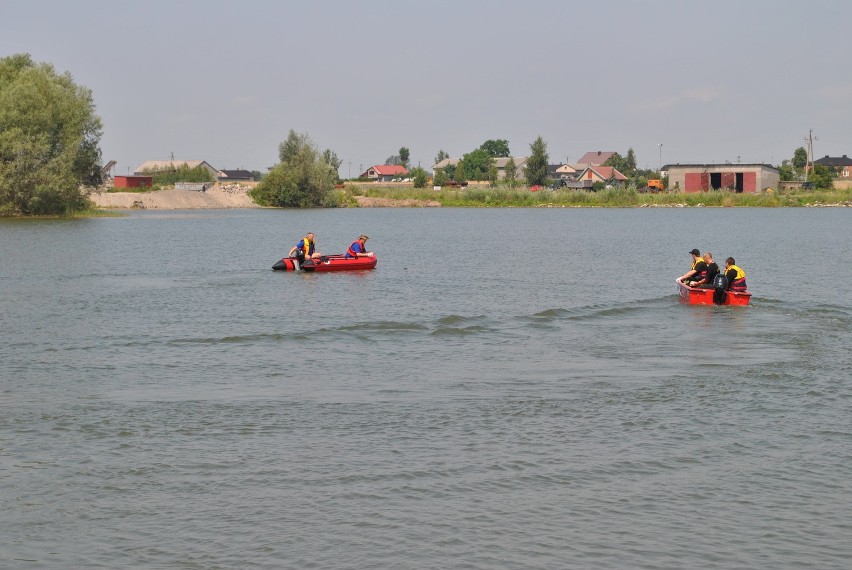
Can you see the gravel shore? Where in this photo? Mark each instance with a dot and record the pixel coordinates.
(217, 196)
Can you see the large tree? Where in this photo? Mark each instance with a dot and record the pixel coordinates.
(49, 139)
(536, 169)
(476, 165)
(496, 148)
(303, 178)
(404, 156)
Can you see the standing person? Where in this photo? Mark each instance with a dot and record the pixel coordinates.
(306, 248)
(358, 248)
(712, 269)
(736, 276)
(699, 268)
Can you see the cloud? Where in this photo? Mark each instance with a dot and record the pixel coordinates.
(693, 95)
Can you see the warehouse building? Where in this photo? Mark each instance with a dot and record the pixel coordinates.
(745, 178)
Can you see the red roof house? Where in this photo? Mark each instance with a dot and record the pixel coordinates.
(384, 172)
(595, 158)
(606, 174)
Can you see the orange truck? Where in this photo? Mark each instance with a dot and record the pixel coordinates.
(656, 185)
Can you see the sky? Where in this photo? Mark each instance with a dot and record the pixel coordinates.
(678, 81)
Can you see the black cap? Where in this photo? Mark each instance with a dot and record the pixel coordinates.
(695, 252)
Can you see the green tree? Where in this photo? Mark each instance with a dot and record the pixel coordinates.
(292, 145)
(441, 156)
(49, 139)
(441, 177)
(460, 172)
(616, 161)
(787, 172)
(800, 158)
(330, 158)
(450, 171)
(476, 164)
(510, 172)
(822, 177)
(420, 177)
(629, 163)
(496, 148)
(303, 179)
(404, 156)
(492, 174)
(536, 171)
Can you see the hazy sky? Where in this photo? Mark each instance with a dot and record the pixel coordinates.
(225, 81)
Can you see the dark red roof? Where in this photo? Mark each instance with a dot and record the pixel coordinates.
(596, 157)
(390, 169)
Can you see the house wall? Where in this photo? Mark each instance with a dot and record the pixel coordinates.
(747, 178)
(133, 181)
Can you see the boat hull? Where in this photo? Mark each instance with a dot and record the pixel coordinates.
(696, 296)
(327, 263)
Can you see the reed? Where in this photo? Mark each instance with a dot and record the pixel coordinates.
(625, 197)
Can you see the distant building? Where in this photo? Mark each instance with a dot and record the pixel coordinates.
(595, 158)
(133, 181)
(842, 165)
(166, 165)
(745, 178)
(605, 174)
(234, 175)
(384, 172)
(562, 172)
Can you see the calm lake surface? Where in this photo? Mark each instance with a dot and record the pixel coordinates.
(509, 388)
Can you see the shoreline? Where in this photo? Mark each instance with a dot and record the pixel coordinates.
(236, 195)
(218, 196)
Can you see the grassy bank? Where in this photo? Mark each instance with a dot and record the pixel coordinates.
(487, 197)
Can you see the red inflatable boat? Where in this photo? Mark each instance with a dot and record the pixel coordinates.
(326, 263)
(697, 296)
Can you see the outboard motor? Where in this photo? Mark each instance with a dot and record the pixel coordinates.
(720, 285)
(298, 259)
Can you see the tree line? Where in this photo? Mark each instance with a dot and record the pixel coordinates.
(50, 151)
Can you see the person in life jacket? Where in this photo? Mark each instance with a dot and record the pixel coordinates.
(698, 271)
(710, 272)
(306, 248)
(358, 248)
(736, 276)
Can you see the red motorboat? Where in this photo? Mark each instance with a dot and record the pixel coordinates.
(326, 263)
(698, 296)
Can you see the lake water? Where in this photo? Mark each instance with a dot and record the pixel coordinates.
(509, 388)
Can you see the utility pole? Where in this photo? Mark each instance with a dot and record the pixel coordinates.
(661, 158)
(809, 163)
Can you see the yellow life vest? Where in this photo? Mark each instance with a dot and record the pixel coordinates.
(740, 273)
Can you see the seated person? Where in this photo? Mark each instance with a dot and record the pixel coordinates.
(699, 268)
(306, 248)
(712, 269)
(736, 276)
(358, 248)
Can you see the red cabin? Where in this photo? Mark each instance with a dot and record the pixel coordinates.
(133, 181)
